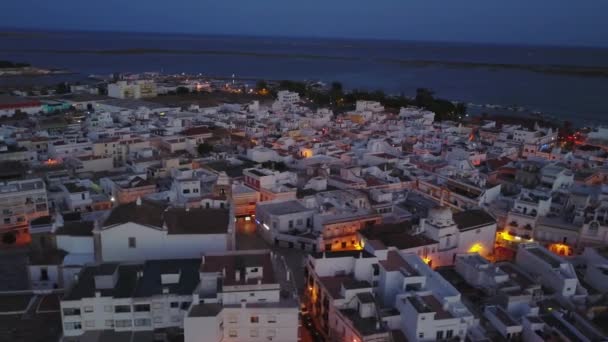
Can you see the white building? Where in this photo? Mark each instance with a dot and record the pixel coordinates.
(22, 201)
(132, 89)
(553, 271)
(463, 232)
(288, 223)
(287, 98)
(146, 230)
(356, 296)
(240, 300)
(129, 297)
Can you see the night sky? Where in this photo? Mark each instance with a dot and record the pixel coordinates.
(550, 22)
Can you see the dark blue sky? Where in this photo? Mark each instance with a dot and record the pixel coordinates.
(552, 22)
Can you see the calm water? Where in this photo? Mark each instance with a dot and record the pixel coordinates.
(356, 63)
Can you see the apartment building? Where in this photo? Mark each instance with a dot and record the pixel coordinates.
(553, 271)
(22, 201)
(356, 296)
(242, 297)
(132, 89)
(129, 297)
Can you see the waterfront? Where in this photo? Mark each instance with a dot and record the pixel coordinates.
(479, 74)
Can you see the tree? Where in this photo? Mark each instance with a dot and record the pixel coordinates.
(461, 109)
(9, 238)
(424, 97)
(261, 85)
(182, 90)
(204, 149)
(62, 88)
(335, 92)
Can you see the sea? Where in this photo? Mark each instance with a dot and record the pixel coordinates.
(544, 80)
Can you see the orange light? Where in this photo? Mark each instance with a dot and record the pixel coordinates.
(476, 248)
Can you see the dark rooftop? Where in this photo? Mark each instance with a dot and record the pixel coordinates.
(396, 235)
(205, 310)
(149, 213)
(471, 219)
(76, 228)
(342, 254)
(129, 283)
(197, 221)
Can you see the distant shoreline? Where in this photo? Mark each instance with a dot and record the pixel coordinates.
(550, 69)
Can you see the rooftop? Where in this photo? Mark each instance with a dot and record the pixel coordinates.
(471, 219)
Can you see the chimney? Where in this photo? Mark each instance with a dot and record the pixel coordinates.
(138, 202)
(97, 294)
(259, 281)
(243, 303)
(224, 272)
(203, 260)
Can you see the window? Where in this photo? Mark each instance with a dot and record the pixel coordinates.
(290, 223)
(142, 322)
(158, 319)
(449, 334)
(272, 319)
(123, 323)
(89, 324)
(186, 191)
(141, 308)
(132, 242)
(122, 308)
(174, 305)
(255, 319)
(44, 274)
(83, 196)
(254, 332)
(232, 333)
(88, 309)
(109, 323)
(7, 220)
(71, 312)
(421, 335)
(185, 305)
(439, 335)
(195, 191)
(233, 319)
(72, 326)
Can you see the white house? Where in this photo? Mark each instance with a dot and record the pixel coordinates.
(146, 230)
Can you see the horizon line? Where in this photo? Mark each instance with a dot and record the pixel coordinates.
(8, 29)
